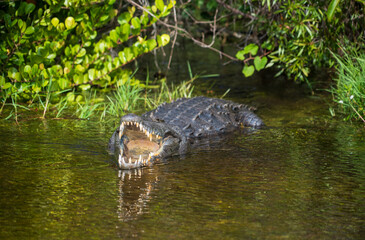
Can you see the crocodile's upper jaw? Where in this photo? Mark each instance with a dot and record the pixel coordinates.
(140, 144)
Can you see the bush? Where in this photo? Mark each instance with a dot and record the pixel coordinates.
(59, 46)
(294, 36)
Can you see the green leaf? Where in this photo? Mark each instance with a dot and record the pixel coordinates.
(51, 56)
(154, 9)
(124, 18)
(85, 87)
(331, 9)
(251, 48)
(45, 83)
(122, 57)
(260, 62)
(248, 70)
(40, 12)
(81, 53)
(2, 80)
(17, 76)
(20, 23)
(29, 30)
(125, 29)
(114, 36)
(7, 19)
(163, 39)
(151, 44)
(80, 68)
(27, 69)
(104, 18)
(6, 85)
(70, 97)
(78, 79)
(70, 22)
(43, 52)
(160, 5)
(11, 72)
(35, 69)
(240, 55)
(55, 21)
(136, 25)
(128, 54)
(91, 73)
(67, 51)
(29, 8)
(267, 45)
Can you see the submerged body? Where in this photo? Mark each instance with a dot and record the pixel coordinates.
(168, 129)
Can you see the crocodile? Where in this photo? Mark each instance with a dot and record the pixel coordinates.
(170, 128)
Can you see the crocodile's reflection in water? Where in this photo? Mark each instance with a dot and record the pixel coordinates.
(135, 188)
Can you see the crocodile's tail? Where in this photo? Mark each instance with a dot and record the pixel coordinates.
(250, 119)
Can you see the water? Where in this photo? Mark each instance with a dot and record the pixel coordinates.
(302, 177)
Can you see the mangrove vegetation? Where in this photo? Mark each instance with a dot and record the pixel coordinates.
(79, 58)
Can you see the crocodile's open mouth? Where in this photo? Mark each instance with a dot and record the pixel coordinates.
(138, 144)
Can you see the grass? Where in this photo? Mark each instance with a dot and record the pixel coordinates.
(349, 92)
(128, 96)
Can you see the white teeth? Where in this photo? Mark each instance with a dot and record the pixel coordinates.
(140, 159)
(137, 124)
(151, 137)
(120, 161)
(130, 160)
(141, 127)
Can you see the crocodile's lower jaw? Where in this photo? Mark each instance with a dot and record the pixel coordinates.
(140, 145)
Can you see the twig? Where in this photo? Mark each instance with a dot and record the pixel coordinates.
(234, 10)
(174, 41)
(185, 32)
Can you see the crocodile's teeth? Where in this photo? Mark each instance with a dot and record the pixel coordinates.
(141, 127)
(130, 160)
(120, 161)
(137, 124)
(150, 137)
(140, 159)
(121, 129)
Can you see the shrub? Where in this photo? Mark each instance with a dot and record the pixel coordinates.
(59, 46)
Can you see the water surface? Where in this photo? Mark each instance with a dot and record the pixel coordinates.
(301, 177)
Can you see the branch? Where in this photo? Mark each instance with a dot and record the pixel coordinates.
(234, 10)
(185, 33)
